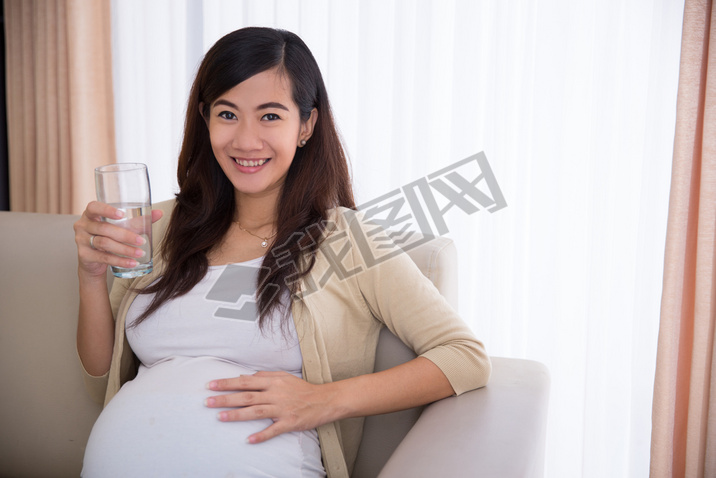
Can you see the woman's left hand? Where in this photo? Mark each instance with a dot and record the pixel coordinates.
(292, 403)
(296, 405)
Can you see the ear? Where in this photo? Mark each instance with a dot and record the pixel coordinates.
(307, 127)
(201, 113)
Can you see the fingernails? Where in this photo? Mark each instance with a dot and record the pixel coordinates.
(211, 385)
(251, 440)
(141, 241)
(139, 253)
(209, 402)
(119, 214)
(223, 416)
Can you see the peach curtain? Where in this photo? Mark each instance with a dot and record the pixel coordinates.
(684, 412)
(59, 101)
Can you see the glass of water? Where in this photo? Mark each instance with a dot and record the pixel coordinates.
(126, 187)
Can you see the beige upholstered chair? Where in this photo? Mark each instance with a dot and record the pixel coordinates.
(46, 416)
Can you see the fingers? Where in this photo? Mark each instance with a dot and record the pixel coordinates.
(156, 215)
(115, 240)
(96, 210)
(101, 243)
(292, 403)
(250, 386)
(280, 423)
(104, 242)
(266, 434)
(248, 412)
(257, 412)
(231, 400)
(257, 381)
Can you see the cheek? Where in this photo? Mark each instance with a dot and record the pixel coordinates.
(218, 138)
(285, 141)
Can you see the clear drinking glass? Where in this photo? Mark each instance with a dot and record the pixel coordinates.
(126, 186)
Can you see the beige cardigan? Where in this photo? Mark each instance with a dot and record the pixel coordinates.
(348, 298)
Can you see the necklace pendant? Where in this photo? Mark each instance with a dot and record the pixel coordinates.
(264, 243)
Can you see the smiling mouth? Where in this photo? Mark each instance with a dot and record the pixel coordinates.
(250, 163)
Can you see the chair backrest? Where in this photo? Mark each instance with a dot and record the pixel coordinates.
(437, 259)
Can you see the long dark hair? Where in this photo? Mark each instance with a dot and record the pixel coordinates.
(317, 180)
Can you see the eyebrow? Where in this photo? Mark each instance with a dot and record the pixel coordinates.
(271, 104)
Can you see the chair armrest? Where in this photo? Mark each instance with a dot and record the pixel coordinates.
(495, 431)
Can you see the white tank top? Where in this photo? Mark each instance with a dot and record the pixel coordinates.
(157, 424)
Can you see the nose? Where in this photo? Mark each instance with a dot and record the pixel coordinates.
(247, 137)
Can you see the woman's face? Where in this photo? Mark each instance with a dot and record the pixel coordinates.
(255, 128)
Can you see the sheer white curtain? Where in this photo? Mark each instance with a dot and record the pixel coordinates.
(573, 104)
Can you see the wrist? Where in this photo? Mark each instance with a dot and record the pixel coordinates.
(89, 278)
(337, 401)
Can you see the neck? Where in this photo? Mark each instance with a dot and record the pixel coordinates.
(255, 212)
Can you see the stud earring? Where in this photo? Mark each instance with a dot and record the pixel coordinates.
(302, 142)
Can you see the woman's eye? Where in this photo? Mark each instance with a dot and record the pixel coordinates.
(227, 115)
(270, 117)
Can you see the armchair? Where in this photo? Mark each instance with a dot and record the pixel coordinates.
(46, 415)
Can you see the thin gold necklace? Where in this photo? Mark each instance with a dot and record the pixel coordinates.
(264, 240)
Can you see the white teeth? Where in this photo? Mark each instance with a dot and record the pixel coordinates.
(250, 163)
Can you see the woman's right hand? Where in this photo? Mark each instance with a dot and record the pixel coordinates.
(101, 244)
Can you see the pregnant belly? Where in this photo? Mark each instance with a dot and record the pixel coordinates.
(157, 425)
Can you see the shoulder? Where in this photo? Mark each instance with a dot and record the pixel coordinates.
(350, 225)
(351, 233)
(373, 243)
(341, 215)
(343, 219)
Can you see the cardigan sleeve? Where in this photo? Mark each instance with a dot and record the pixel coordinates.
(399, 295)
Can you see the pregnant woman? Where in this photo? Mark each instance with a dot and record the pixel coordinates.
(245, 353)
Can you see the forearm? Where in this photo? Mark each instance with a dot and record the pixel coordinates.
(408, 385)
(95, 326)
